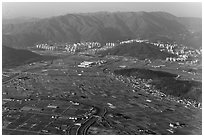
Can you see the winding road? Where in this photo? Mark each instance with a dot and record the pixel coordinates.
(83, 129)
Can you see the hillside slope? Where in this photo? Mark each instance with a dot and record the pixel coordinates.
(138, 50)
(167, 83)
(14, 57)
(99, 26)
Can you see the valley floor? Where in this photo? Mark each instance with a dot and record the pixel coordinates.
(59, 97)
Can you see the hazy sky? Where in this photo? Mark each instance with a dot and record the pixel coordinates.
(47, 9)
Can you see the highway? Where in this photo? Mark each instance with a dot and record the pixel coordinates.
(73, 129)
(83, 129)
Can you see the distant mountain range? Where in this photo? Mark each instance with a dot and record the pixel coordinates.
(15, 57)
(139, 50)
(104, 27)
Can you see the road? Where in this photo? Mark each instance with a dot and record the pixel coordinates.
(8, 79)
(76, 130)
(82, 130)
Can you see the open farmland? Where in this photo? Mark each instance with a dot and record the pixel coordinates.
(59, 97)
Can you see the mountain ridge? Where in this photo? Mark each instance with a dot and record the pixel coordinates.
(100, 26)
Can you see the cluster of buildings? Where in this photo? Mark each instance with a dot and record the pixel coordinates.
(182, 53)
(185, 54)
(77, 47)
(106, 46)
(110, 45)
(165, 47)
(133, 40)
(144, 85)
(188, 51)
(86, 64)
(72, 48)
(173, 59)
(46, 47)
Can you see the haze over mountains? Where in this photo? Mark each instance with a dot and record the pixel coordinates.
(117, 73)
(104, 27)
(19, 20)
